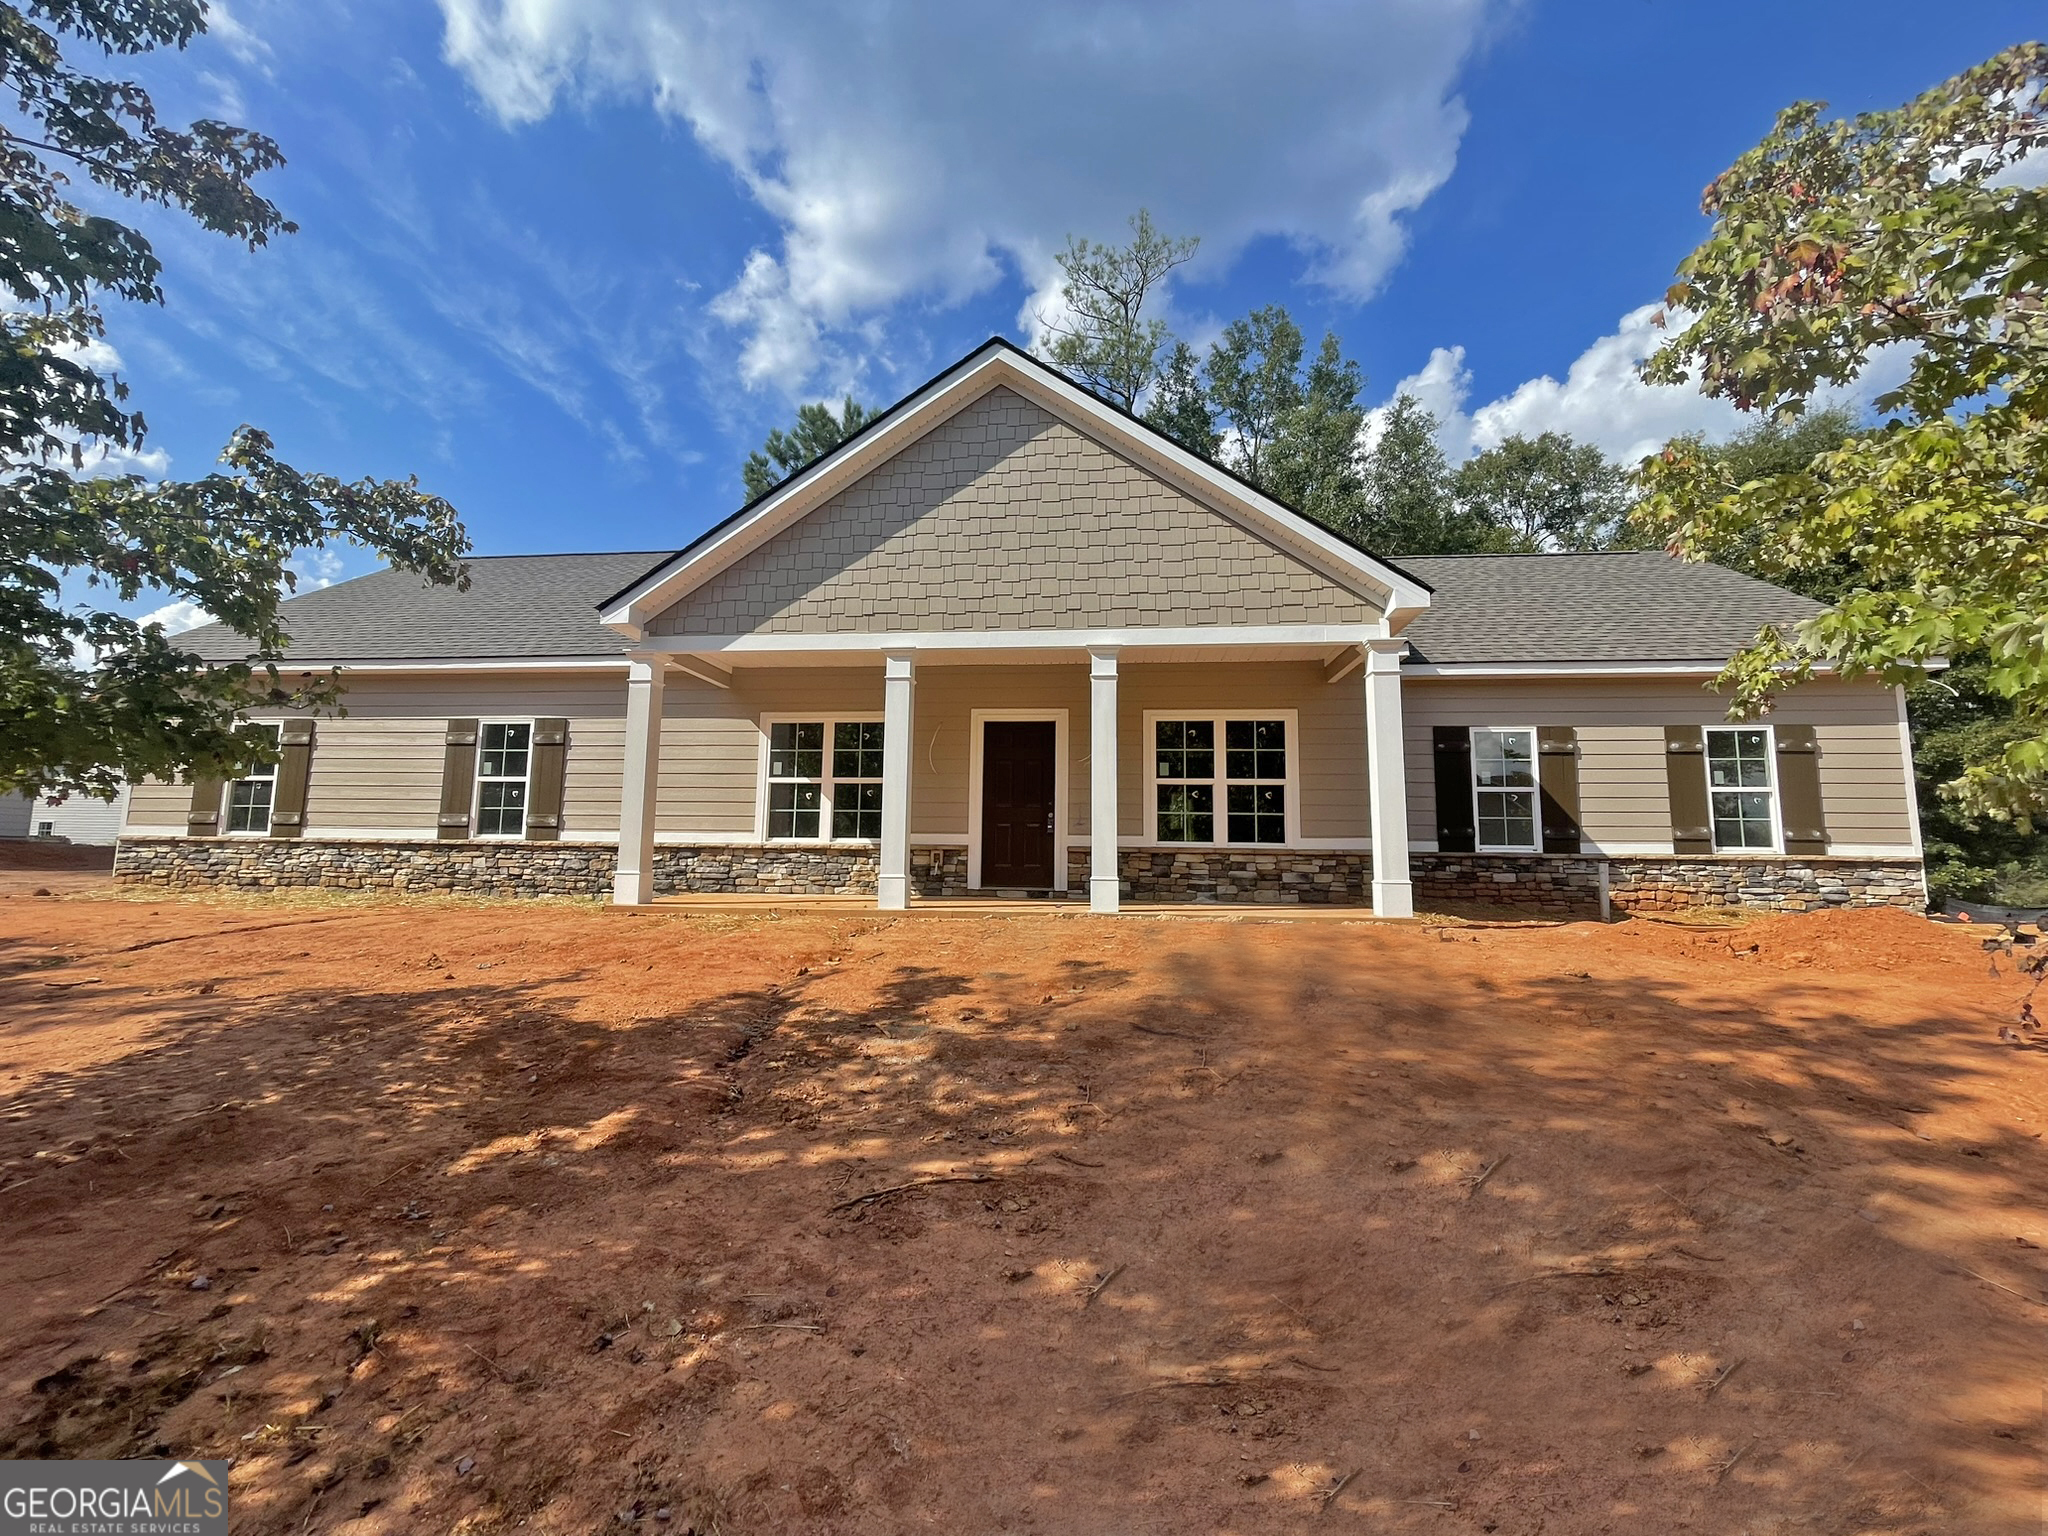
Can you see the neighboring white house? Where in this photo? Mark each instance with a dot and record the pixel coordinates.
(79, 819)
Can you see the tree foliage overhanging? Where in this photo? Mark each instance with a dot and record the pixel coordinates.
(89, 697)
(1910, 238)
(816, 433)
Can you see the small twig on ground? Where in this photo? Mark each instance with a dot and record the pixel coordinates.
(1561, 1274)
(503, 1374)
(1076, 1161)
(1310, 1365)
(1999, 1285)
(1704, 1258)
(1486, 1173)
(897, 1189)
(1174, 1034)
(1294, 1311)
(1102, 1285)
(1729, 1465)
(1179, 1381)
(1330, 1494)
(1721, 1380)
(791, 1327)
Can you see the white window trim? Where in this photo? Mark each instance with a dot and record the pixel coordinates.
(1290, 795)
(227, 790)
(1536, 771)
(1062, 816)
(476, 781)
(1770, 771)
(824, 839)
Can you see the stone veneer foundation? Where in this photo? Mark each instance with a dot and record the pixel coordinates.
(1548, 884)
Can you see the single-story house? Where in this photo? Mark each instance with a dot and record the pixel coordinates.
(1007, 638)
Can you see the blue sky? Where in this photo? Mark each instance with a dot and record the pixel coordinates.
(568, 260)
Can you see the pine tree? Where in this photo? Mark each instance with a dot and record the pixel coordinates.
(1180, 404)
(1314, 463)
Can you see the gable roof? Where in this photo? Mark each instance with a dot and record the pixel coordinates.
(1617, 609)
(1001, 362)
(530, 606)
(1618, 606)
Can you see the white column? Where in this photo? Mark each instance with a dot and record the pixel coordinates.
(899, 679)
(1103, 882)
(1386, 764)
(633, 884)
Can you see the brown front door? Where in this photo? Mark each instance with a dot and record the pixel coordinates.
(1016, 803)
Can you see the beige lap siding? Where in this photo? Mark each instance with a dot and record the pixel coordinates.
(376, 771)
(1620, 722)
(947, 697)
(1327, 757)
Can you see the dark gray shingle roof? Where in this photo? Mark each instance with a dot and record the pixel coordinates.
(1635, 606)
(516, 605)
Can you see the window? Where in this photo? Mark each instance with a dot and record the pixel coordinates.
(813, 792)
(1252, 780)
(1504, 789)
(1740, 789)
(503, 751)
(46, 829)
(249, 796)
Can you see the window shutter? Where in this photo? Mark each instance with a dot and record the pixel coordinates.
(203, 819)
(458, 779)
(1557, 776)
(294, 764)
(1685, 775)
(1799, 808)
(1454, 830)
(544, 779)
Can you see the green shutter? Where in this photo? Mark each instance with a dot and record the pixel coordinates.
(294, 766)
(1557, 776)
(544, 774)
(203, 818)
(458, 779)
(1799, 808)
(1455, 832)
(1685, 776)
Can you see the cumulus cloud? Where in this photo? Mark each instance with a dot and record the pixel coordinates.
(1602, 399)
(176, 618)
(923, 152)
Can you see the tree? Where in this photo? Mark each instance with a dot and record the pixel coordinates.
(1253, 383)
(1180, 404)
(90, 698)
(1547, 493)
(1408, 490)
(1104, 338)
(1903, 233)
(1313, 463)
(816, 433)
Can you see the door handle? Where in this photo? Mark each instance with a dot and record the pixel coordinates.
(1048, 822)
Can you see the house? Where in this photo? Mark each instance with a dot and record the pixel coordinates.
(1009, 639)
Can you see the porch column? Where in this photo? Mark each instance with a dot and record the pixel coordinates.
(1103, 881)
(633, 884)
(899, 677)
(1386, 763)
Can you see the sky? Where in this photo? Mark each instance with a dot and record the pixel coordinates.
(568, 261)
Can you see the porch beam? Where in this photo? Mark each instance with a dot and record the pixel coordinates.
(899, 680)
(1393, 895)
(704, 671)
(1104, 881)
(633, 881)
(1343, 664)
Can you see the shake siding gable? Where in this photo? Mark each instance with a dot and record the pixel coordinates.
(1004, 517)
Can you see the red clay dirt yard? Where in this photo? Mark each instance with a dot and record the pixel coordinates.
(469, 1218)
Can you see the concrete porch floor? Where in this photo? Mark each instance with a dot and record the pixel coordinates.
(1074, 906)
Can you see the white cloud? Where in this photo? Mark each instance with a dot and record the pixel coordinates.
(1602, 398)
(175, 618)
(922, 152)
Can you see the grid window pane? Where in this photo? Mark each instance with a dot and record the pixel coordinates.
(1258, 813)
(502, 751)
(501, 808)
(1504, 759)
(1255, 749)
(1739, 777)
(793, 809)
(249, 805)
(796, 750)
(1507, 818)
(1742, 819)
(1187, 813)
(1739, 759)
(857, 749)
(1186, 749)
(857, 810)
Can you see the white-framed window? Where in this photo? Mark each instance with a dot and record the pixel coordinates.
(1504, 788)
(249, 796)
(1223, 779)
(1742, 788)
(504, 757)
(46, 829)
(823, 780)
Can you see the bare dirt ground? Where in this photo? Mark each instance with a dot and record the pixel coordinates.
(468, 1218)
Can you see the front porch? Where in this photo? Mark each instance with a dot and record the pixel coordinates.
(1010, 764)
